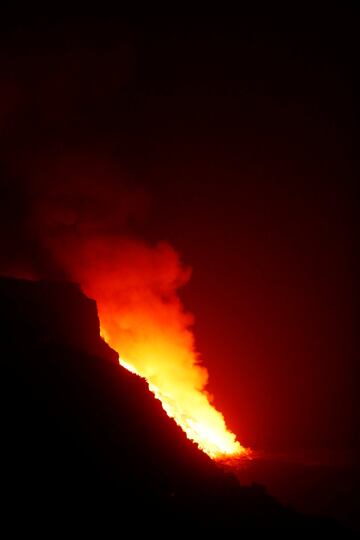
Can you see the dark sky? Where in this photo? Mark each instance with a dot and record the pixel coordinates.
(234, 137)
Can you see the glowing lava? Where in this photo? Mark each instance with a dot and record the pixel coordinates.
(187, 405)
(203, 424)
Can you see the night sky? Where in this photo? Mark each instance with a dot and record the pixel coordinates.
(232, 139)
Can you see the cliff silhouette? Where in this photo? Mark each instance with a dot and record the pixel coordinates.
(87, 446)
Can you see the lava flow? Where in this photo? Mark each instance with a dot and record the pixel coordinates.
(193, 412)
(188, 405)
(141, 316)
(203, 424)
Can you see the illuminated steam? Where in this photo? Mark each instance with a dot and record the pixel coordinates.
(135, 286)
(78, 223)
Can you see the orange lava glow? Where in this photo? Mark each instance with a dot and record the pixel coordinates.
(142, 318)
(193, 412)
(189, 407)
(201, 422)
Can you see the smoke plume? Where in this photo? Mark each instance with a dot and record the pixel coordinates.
(70, 213)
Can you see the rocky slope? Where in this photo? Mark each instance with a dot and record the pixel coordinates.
(87, 445)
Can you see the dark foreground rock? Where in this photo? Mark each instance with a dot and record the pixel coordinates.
(88, 448)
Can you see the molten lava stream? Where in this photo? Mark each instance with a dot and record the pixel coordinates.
(201, 422)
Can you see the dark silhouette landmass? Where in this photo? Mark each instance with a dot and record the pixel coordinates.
(88, 447)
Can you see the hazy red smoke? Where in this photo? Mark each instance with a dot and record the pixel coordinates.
(80, 220)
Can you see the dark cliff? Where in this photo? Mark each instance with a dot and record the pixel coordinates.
(87, 445)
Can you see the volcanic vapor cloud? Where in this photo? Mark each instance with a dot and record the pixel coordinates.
(79, 221)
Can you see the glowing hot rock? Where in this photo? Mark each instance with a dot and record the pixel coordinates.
(167, 361)
(202, 423)
(193, 412)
